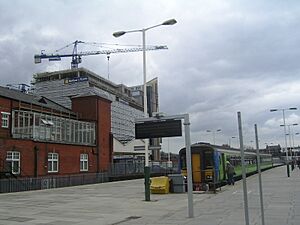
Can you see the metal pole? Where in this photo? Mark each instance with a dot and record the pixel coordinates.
(293, 154)
(243, 169)
(290, 140)
(286, 149)
(259, 177)
(189, 165)
(147, 168)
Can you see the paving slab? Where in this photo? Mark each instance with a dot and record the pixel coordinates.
(122, 203)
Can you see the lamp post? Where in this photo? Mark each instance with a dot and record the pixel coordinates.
(284, 126)
(296, 152)
(214, 134)
(293, 141)
(143, 31)
(230, 140)
(291, 137)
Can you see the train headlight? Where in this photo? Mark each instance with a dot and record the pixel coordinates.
(208, 177)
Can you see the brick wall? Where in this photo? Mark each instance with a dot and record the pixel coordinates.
(69, 157)
(95, 108)
(34, 155)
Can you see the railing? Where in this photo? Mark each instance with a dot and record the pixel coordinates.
(118, 171)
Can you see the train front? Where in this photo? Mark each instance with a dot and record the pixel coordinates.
(203, 157)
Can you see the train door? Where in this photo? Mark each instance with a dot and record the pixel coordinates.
(224, 177)
(217, 163)
(196, 168)
(222, 166)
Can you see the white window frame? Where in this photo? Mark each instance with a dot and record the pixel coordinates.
(53, 160)
(5, 119)
(14, 158)
(84, 162)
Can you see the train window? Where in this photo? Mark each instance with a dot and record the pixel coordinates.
(183, 162)
(208, 158)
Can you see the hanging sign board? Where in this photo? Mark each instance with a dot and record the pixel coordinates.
(157, 129)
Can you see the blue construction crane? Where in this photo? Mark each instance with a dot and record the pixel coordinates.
(76, 56)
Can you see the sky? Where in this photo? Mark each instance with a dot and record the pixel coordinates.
(223, 57)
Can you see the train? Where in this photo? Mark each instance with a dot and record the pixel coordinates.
(209, 164)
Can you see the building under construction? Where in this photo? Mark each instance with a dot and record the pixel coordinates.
(127, 102)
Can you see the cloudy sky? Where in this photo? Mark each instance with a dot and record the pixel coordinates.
(223, 56)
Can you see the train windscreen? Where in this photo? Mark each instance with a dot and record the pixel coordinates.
(208, 158)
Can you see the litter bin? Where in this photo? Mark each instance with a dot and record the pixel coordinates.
(177, 183)
(160, 185)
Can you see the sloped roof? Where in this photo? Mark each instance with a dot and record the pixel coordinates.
(32, 99)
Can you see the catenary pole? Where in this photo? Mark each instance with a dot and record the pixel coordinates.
(243, 169)
(259, 177)
(189, 165)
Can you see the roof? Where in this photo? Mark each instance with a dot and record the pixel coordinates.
(32, 99)
(86, 72)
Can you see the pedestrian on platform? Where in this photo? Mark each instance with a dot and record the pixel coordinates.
(298, 163)
(230, 173)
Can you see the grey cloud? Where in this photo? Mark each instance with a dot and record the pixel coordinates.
(223, 57)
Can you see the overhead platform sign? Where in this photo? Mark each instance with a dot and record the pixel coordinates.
(156, 128)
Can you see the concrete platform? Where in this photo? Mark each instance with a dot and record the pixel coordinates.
(122, 203)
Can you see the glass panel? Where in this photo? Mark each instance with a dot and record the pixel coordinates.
(208, 157)
(47, 127)
(15, 166)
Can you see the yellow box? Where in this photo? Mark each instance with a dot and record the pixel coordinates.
(160, 185)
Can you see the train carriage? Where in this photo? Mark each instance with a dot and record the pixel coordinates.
(209, 164)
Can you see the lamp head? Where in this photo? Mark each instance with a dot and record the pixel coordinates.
(119, 33)
(169, 22)
(293, 108)
(273, 110)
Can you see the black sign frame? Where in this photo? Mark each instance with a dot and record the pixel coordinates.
(157, 129)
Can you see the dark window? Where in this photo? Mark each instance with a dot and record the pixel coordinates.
(208, 159)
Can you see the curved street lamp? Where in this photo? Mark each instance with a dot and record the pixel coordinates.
(143, 31)
(291, 136)
(214, 134)
(230, 140)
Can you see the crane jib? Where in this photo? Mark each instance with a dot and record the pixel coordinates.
(75, 54)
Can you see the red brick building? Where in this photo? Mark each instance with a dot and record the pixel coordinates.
(39, 137)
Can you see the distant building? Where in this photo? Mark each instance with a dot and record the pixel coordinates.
(152, 106)
(126, 106)
(275, 150)
(39, 137)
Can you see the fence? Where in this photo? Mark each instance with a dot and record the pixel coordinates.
(118, 171)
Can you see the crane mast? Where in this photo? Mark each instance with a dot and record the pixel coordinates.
(76, 56)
